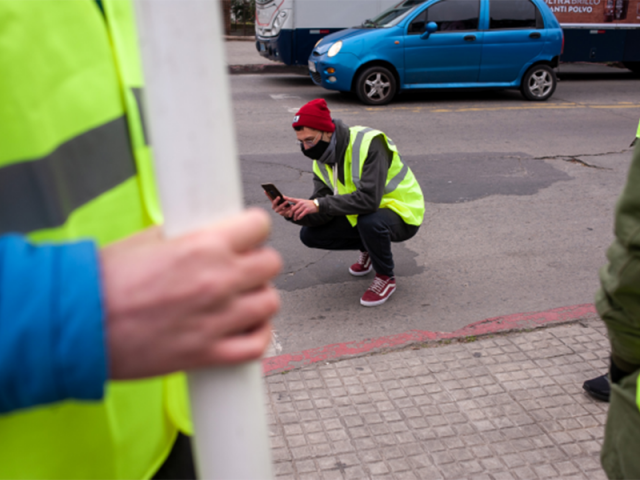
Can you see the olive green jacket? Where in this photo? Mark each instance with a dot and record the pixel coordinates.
(618, 300)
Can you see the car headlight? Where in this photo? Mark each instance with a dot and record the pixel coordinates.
(335, 48)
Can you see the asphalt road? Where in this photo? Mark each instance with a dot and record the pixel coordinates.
(519, 213)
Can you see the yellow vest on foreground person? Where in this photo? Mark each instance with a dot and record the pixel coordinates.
(70, 116)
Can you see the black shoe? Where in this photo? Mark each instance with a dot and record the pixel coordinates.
(598, 388)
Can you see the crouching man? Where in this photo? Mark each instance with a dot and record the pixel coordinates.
(364, 196)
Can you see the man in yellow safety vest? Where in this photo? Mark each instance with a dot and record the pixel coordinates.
(364, 197)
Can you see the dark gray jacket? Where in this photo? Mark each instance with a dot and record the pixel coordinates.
(366, 199)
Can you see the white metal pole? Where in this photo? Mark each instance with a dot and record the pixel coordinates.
(192, 134)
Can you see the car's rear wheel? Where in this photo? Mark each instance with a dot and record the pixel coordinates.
(376, 86)
(633, 66)
(539, 83)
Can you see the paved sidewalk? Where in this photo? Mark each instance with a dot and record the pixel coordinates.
(242, 57)
(508, 406)
(243, 53)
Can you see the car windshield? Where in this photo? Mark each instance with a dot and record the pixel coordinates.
(393, 15)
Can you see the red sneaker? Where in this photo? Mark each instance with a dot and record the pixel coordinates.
(362, 267)
(379, 291)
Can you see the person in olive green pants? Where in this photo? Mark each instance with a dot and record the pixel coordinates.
(618, 303)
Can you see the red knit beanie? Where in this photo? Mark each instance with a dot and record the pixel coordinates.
(315, 114)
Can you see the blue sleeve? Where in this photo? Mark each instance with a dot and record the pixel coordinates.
(52, 339)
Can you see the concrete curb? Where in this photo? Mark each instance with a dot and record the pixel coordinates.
(274, 68)
(518, 322)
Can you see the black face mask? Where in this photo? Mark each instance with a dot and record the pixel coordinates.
(316, 151)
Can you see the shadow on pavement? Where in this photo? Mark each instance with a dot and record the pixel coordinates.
(616, 74)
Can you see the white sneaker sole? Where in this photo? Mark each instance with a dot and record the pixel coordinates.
(361, 274)
(377, 302)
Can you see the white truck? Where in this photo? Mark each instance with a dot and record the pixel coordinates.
(287, 30)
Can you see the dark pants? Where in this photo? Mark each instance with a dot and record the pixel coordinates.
(373, 233)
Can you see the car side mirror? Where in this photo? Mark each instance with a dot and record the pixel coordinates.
(429, 29)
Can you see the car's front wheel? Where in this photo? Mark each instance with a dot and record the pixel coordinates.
(539, 83)
(376, 86)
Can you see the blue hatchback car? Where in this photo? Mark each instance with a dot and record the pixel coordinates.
(424, 44)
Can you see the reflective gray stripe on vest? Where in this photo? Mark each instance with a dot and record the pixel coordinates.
(325, 175)
(355, 151)
(397, 180)
(137, 94)
(43, 193)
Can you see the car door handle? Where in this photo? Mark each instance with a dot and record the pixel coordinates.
(470, 38)
(534, 35)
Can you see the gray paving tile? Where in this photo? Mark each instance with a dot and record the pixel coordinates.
(507, 407)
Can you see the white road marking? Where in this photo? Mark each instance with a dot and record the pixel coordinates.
(285, 96)
(282, 96)
(274, 348)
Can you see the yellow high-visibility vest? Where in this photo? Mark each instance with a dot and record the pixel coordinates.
(402, 193)
(72, 132)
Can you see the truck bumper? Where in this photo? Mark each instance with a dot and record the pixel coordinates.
(277, 49)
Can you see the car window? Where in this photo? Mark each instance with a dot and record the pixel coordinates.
(393, 15)
(514, 14)
(418, 24)
(450, 15)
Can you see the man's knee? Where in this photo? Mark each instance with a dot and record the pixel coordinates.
(307, 238)
(372, 224)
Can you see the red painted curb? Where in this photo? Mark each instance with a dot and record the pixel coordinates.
(515, 322)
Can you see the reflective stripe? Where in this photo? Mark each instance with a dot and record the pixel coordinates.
(395, 181)
(325, 175)
(355, 153)
(78, 171)
(137, 93)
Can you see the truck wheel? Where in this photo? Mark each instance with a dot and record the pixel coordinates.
(376, 86)
(539, 83)
(633, 66)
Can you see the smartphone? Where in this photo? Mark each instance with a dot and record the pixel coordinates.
(273, 192)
